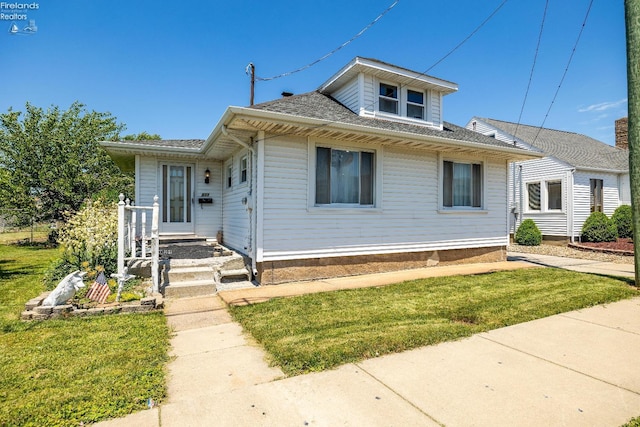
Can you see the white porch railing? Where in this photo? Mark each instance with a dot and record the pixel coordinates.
(137, 239)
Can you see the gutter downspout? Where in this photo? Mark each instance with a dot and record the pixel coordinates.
(570, 208)
(520, 198)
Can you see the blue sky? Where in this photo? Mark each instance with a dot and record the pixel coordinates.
(173, 67)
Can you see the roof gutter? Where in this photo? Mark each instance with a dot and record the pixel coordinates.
(588, 169)
(271, 116)
(119, 146)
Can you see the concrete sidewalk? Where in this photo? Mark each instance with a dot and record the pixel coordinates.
(581, 265)
(573, 369)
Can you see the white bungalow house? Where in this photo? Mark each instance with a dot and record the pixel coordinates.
(577, 176)
(361, 175)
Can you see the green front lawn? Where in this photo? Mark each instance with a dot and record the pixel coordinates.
(68, 372)
(322, 331)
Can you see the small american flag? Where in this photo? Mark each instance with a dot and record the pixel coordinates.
(99, 290)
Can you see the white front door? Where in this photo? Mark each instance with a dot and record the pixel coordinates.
(176, 205)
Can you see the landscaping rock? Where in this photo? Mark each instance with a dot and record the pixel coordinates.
(43, 309)
(148, 301)
(62, 309)
(37, 316)
(26, 315)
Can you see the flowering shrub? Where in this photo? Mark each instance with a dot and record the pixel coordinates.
(89, 239)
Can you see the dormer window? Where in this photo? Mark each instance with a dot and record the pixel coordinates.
(415, 104)
(388, 98)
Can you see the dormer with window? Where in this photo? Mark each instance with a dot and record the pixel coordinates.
(372, 88)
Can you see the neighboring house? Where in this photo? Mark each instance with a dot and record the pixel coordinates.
(362, 175)
(577, 176)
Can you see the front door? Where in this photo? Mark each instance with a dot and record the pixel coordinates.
(177, 199)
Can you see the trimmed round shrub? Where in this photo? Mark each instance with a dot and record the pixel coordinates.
(623, 219)
(599, 228)
(528, 234)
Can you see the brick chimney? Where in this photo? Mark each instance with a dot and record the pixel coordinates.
(622, 133)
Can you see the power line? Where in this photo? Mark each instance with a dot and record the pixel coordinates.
(573, 51)
(311, 64)
(482, 24)
(535, 58)
(424, 73)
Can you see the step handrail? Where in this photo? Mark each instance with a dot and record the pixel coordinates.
(128, 236)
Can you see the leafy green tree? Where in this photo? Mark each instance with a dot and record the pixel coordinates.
(142, 136)
(52, 162)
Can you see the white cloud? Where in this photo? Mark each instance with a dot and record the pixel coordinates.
(602, 106)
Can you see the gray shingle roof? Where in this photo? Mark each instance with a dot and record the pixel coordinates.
(316, 105)
(575, 149)
(167, 143)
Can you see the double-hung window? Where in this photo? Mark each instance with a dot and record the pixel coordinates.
(534, 196)
(461, 184)
(243, 169)
(554, 195)
(388, 100)
(344, 177)
(229, 175)
(415, 104)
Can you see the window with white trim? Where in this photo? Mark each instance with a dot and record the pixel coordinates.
(461, 184)
(229, 175)
(533, 196)
(544, 196)
(344, 177)
(243, 169)
(415, 104)
(554, 195)
(388, 101)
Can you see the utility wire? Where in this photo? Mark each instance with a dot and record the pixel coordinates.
(535, 58)
(565, 70)
(311, 64)
(424, 73)
(482, 24)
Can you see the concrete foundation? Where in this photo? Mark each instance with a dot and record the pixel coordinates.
(275, 272)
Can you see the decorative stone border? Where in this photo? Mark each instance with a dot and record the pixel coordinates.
(34, 310)
(602, 250)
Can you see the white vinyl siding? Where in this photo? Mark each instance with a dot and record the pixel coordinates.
(550, 222)
(407, 221)
(147, 181)
(582, 197)
(236, 221)
(624, 189)
(207, 218)
(348, 95)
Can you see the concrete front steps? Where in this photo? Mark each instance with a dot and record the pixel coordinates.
(196, 277)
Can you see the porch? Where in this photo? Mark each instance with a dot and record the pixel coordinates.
(179, 265)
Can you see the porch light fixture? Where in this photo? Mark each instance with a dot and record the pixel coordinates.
(207, 175)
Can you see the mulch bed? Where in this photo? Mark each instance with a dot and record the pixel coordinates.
(620, 246)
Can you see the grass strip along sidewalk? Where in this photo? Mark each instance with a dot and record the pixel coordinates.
(321, 331)
(73, 371)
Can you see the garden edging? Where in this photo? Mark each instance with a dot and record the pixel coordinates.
(34, 310)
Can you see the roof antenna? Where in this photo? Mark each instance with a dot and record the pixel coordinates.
(251, 71)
